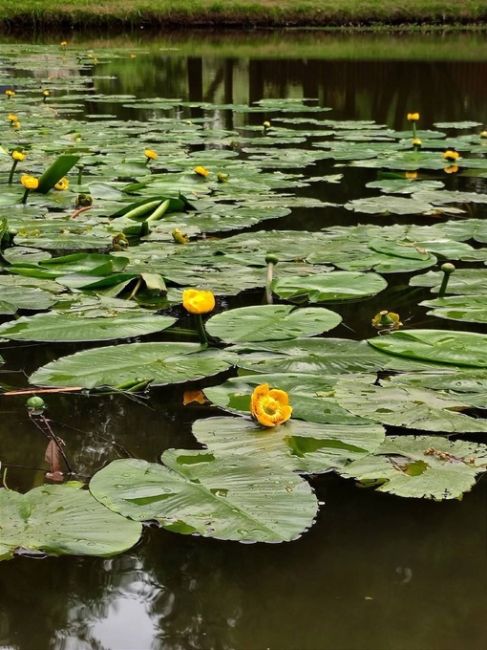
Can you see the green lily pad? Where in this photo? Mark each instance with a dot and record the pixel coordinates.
(421, 467)
(131, 364)
(406, 406)
(308, 448)
(60, 520)
(270, 322)
(468, 308)
(334, 286)
(194, 492)
(459, 348)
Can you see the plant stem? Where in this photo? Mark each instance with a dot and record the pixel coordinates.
(12, 172)
(201, 329)
(268, 283)
(24, 198)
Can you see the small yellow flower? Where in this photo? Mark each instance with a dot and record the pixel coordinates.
(483, 134)
(198, 302)
(266, 124)
(201, 171)
(386, 320)
(62, 184)
(413, 117)
(417, 142)
(179, 236)
(411, 176)
(270, 406)
(150, 154)
(19, 156)
(29, 182)
(133, 56)
(63, 44)
(46, 92)
(451, 155)
(11, 117)
(451, 169)
(10, 93)
(15, 124)
(222, 177)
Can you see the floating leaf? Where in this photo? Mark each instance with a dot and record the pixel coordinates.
(421, 467)
(468, 308)
(60, 520)
(308, 448)
(196, 493)
(338, 285)
(132, 364)
(270, 322)
(401, 405)
(459, 348)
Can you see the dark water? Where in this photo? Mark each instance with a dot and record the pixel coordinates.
(376, 572)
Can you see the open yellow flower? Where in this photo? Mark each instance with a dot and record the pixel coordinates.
(62, 184)
(198, 302)
(417, 142)
(201, 171)
(413, 117)
(386, 320)
(19, 156)
(411, 176)
(63, 44)
(15, 124)
(9, 92)
(11, 117)
(150, 154)
(29, 182)
(451, 155)
(270, 406)
(451, 169)
(46, 92)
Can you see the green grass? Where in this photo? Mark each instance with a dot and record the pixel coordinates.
(241, 12)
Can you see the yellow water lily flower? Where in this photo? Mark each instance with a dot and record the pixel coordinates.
(62, 184)
(451, 169)
(411, 176)
(270, 406)
(179, 236)
(198, 302)
(201, 171)
(417, 142)
(63, 44)
(413, 117)
(386, 320)
(266, 124)
(19, 156)
(483, 134)
(10, 92)
(46, 92)
(150, 154)
(11, 117)
(29, 182)
(15, 124)
(451, 154)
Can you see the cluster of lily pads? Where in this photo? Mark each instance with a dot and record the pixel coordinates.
(127, 215)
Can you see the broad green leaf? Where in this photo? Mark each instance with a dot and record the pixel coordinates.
(308, 448)
(338, 285)
(406, 406)
(194, 492)
(462, 281)
(270, 322)
(60, 520)
(59, 168)
(421, 467)
(439, 346)
(468, 308)
(312, 396)
(92, 324)
(131, 364)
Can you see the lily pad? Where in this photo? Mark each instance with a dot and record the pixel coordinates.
(60, 520)
(195, 492)
(421, 467)
(270, 322)
(468, 308)
(439, 346)
(406, 406)
(132, 364)
(334, 286)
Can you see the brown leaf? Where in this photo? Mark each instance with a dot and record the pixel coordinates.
(194, 396)
(53, 458)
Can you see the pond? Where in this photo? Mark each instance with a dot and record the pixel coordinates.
(303, 151)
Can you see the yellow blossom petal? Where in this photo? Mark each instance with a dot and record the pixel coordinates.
(29, 182)
(196, 301)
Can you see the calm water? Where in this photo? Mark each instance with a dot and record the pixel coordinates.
(376, 572)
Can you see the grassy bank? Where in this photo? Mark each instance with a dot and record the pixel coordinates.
(321, 13)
